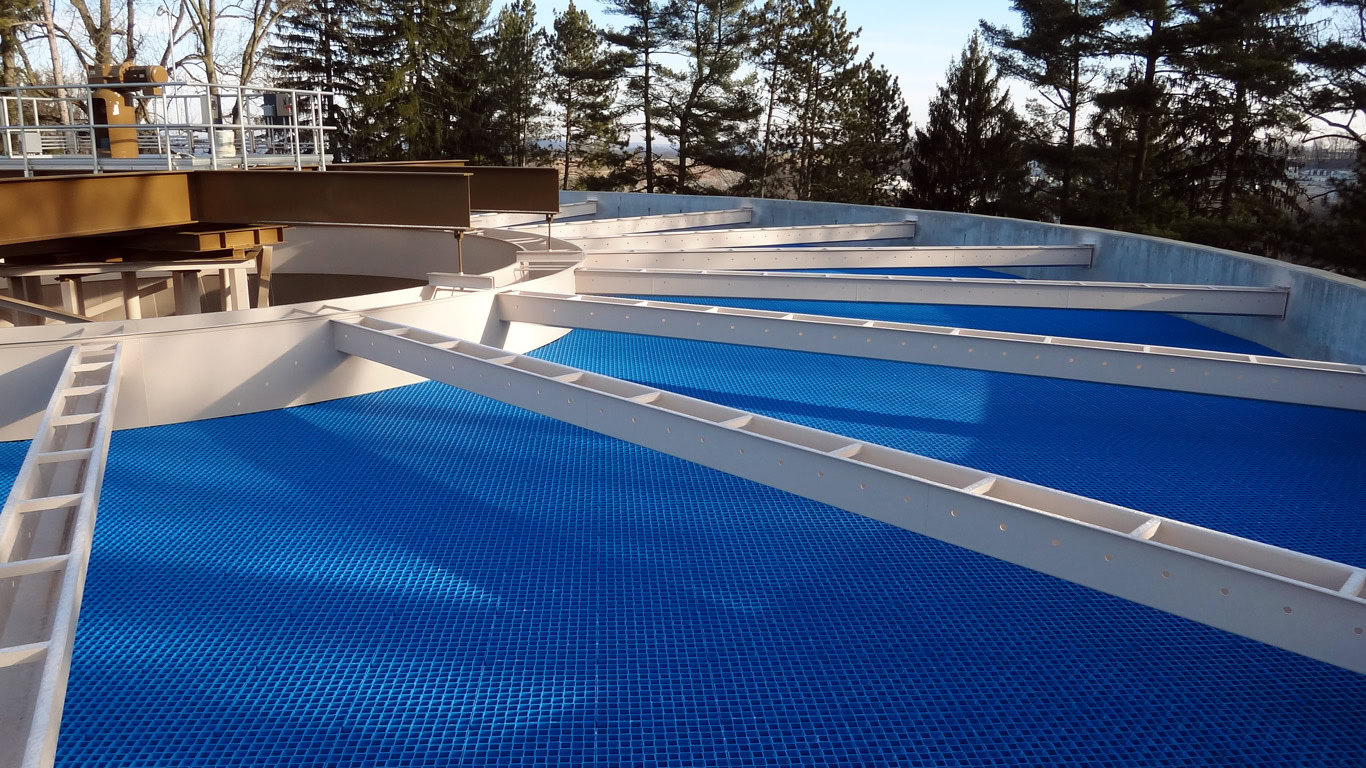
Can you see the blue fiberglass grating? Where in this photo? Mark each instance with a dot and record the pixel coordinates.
(424, 577)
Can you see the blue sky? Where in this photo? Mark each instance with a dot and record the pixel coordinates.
(915, 40)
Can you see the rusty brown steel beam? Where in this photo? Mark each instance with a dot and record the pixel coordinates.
(438, 200)
(52, 207)
(492, 188)
(56, 207)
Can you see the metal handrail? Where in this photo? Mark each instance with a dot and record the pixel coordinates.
(291, 131)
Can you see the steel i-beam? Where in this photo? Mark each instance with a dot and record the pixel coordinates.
(1282, 380)
(974, 291)
(1301, 603)
(848, 257)
(725, 238)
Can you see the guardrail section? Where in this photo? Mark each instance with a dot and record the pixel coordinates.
(1301, 603)
(46, 528)
(660, 223)
(900, 289)
(1281, 380)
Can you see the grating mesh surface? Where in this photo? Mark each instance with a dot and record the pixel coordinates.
(425, 577)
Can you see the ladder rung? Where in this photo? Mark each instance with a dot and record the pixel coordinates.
(36, 565)
(93, 389)
(89, 367)
(53, 457)
(22, 654)
(75, 418)
(44, 503)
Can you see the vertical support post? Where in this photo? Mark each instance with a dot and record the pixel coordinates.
(166, 129)
(235, 292)
(294, 123)
(90, 121)
(23, 150)
(213, 137)
(549, 217)
(132, 303)
(187, 293)
(320, 132)
(242, 125)
(263, 258)
(460, 251)
(28, 289)
(73, 294)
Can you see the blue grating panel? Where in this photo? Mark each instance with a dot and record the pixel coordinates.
(424, 577)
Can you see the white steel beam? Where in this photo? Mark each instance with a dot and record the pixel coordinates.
(849, 257)
(1302, 382)
(501, 220)
(658, 223)
(1304, 604)
(728, 238)
(46, 527)
(900, 289)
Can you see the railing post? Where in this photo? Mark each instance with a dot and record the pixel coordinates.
(23, 150)
(319, 134)
(294, 119)
(90, 121)
(242, 125)
(213, 132)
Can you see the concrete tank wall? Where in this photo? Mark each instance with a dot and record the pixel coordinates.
(1326, 318)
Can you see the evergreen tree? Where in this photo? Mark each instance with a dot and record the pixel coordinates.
(1239, 76)
(643, 40)
(1057, 55)
(771, 57)
(1148, 32)
(583, 91)
(708, 109)
(316, 51)
(876, 138)
(426, 60)
(969, 156)
(14, 14)
(1337, 99)
(516, 79)
(819, 62)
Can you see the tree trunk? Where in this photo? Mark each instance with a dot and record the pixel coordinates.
(1235, 142)
(130, 45)
(1143, 133)
(1065, 209)
(645, 103)
(768, 122)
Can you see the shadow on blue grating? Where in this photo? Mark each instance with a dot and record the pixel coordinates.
(426, 577)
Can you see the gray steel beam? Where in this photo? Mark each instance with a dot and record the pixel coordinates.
(725, 238)
(847, 257)
(1294, 601)
(898, 289)
(1302, 382)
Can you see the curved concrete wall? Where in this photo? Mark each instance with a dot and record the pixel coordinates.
(1324, 321)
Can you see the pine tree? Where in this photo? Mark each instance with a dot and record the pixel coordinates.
(316, 51)
(875, 141)
(516, 79)
(583, 90)
(1337, 98)
(771, 57)
(969, 156)
(425, 63)
(1056, 54)
(14, 14)
(1148, 32)
(708, 109)
(1239, 74)
(820, 62)
(643, 40)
